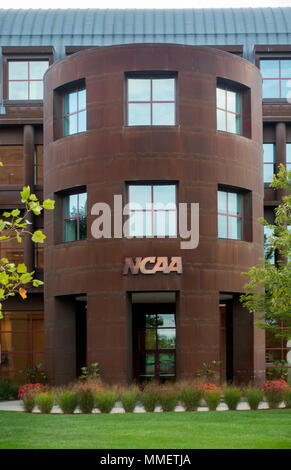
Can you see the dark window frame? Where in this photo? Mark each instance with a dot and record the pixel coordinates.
(74, 89)
(77, 217)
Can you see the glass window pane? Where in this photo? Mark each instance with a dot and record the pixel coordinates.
(70, 125)
(36, 90)
(271, 89)
(70, 230)
(164, 193)
(285, 68)
(288, 166)
(235, 228)
(234, 204)
(233, 101)
(165, 223)
(18, 90)
(140, 224)
(288, 153)
(18, 70)
(82, 125)
(166, 338)
(150, 339)
(82, 203)
(37, 69)
(140, 194)
(222, 226)
(233, 123)
(220, 98)
(269, 153)
(163, 114)
(82, 228)
(71, 206)
(167, 319)
(139, 114)
(269, 68)
(221, 120)
(150, 320)
(222, 201)
(82, 99)
(139, 89)
(285, 88)
(167, 364)
(269, 171)
(163, 89)
(70, 103)
(147, 366)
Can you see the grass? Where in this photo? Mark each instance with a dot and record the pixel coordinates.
(262, 429)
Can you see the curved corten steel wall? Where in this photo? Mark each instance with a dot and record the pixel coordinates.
(108, 155)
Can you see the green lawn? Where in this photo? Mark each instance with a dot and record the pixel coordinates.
(264, 429)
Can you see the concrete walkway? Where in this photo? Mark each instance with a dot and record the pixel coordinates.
(16, 405)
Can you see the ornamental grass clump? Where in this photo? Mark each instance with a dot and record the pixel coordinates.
(211, 394)
(28, 402)
(190, 397)
(150, 397)
(287, 397)
(232, 396)
(105, 400)
(168, 398)
(254, 396)
(67, 400)
(45, 402)
(274, 392)
(129, 399)
(85, 399)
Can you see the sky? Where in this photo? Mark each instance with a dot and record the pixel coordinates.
(148, 4)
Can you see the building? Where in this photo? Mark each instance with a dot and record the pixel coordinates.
(151, 106)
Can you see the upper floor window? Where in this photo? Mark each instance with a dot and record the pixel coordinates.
(288, 157)
(151, 101)
(75, 111)
(152, 210)
(75, 217)
(276, 74)
(25, 79)
(228, 110)
(269, 162)
(230, 215)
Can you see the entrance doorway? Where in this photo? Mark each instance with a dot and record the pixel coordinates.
(154, 337)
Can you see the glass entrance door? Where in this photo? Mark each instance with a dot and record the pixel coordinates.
(156, 345)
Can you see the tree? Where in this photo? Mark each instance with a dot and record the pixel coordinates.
(13, 225)
(269, 287)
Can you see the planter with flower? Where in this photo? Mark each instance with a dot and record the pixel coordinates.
(274, 392)
(28, 393)
(211, 394)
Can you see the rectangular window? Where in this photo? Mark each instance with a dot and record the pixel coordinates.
(151, 101)
(230, 215)
(288, 157)
(74, 113)
(75, 217)
(269, 162)
(278, 353)
(228, 110)
(276, 74)
(25, 79)
(12, 170)
(38, 164)
(152, 210)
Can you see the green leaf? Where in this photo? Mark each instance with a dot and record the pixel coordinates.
(6, 214)
(4, 260)
(2, 291)
(33, 197)
(48, 204)
(35, 207)
(19, 239)
(25, 278)
(15, 212)
(38, 237)
(21, 268)
(25, 193)
(37, 283)
(4, 237)
(4, 278)
(2, 225)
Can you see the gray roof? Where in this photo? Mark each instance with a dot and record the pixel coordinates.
(80, 27)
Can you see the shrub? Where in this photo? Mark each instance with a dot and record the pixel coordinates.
(105, 400)
(274, 392)
(150, 397)
(67, 401)
(129, 398)
(32, 388)
(168, 398)
(232, 397)
(45, 402)
(5, 390)
(14, 391)
(254, 396)
(190, 397)
(212, 394)
(28, 402)
(86, 399)
(287, 397)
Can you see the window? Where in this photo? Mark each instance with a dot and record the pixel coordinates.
(269, 251)
(75, 220)
(152, 210)
(230, 216)
(278, 352)
(74, 112)
(228, 110)
(151, 101)
(269, 162)
(12, 158)
(38, 164)
(288, 157)
(276, 74)
(25, 79)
